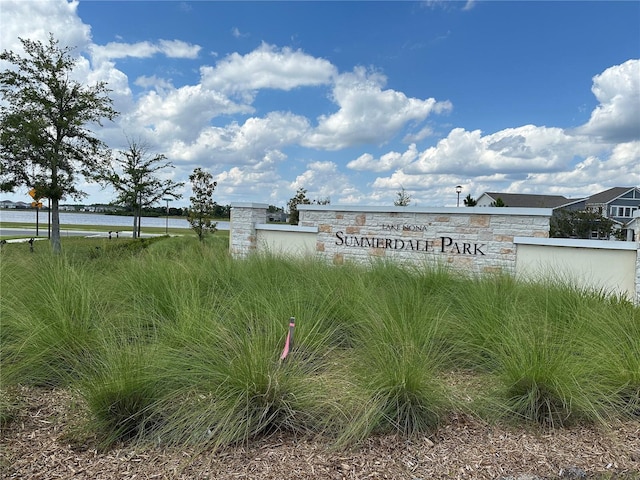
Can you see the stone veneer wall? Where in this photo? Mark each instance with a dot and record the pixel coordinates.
(242, 230)
(475, 240)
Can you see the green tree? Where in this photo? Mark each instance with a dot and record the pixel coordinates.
(275, 214)
(498, 203)
(403, 198)
(299, 199)
(45, 143)
(134, 176)
(202, 207)
(580, 224)
(469, 201)
(221, 211)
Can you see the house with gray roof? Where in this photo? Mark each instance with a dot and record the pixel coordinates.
(618, 204)
(13, 205)
(522, 200)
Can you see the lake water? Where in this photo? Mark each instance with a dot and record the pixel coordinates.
(68, 218)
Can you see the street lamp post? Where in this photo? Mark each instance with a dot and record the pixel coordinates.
(166, 228)
(458, 190)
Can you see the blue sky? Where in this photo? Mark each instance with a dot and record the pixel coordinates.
(355, 100)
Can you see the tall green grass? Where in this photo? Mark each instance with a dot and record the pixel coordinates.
(120, 391)
(615, 355)
(175, 342)
(50, 326)
(548, 345)
(398, 351)
(228, 383)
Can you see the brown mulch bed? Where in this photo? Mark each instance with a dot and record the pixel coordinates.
(38, 445)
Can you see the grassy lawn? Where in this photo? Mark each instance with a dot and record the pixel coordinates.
(170, 340)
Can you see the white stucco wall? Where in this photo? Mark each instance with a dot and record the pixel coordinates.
(600, 265)
(286, 239)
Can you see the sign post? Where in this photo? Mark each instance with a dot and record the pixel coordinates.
(37, 204)
(166, 228)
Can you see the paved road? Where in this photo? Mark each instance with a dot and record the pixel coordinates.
(31, 232)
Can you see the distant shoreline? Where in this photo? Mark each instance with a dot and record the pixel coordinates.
(111, 214)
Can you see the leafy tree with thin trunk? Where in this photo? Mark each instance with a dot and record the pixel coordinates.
(134, 176)
(45, 141)
(202, 207)
(403, 198)
(299, 199)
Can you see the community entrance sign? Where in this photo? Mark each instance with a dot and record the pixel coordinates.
(472, 239)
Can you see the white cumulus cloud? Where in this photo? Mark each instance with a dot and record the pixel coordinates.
(617, 117)
(36, 19)
(388, 161)
(513, 150)
(267, 67)
(324, 180)
(368, 114)
(181, 114)
(169, 48)
(246, 144)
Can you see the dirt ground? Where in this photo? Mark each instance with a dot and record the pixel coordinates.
(38, 445)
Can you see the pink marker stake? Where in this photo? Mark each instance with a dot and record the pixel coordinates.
(288, 344)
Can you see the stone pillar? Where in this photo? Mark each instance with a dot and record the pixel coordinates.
(242, 227)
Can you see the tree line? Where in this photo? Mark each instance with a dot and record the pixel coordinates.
(46, 143)
(217, 211)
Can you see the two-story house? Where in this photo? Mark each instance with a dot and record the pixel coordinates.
(618, 204)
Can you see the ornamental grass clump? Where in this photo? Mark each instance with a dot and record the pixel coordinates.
(50, 333)
(535, 340)
(544, 373)
(395, 363)
(228, 383)
(614, 354)
(121, 394)
(179, 343)
(153, 287)
(538, 378)
(306, 288)
(479, 309)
